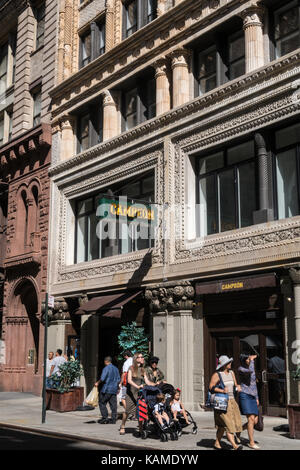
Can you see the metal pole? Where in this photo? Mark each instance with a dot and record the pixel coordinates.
(45, 360)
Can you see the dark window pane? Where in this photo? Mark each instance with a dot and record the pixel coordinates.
(211, 163)
(247, 193)
(287, 192)
(101, 38)
(240, 152)
(288, 136)
(81, 240)
(131, 18)
(208, 206)
(207, 71)
(237, 69)
(93, 245)
(287, 22)
(85, 206)
(236, 48)
(86, 49)
(151, 10)
(131, 109)
(227, 201)
(84, 132)
(1, 129)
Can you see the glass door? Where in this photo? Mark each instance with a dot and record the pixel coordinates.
(269, 365)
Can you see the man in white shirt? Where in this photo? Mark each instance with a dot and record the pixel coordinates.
(48, 368)
(128, 363)
(57, 362)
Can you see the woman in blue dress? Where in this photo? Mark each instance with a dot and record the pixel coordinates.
(248, 396)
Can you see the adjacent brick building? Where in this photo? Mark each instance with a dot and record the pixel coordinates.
(28, 43)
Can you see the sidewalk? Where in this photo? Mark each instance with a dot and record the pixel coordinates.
(24, 411)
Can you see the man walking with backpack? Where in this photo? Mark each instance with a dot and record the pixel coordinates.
(109, 382)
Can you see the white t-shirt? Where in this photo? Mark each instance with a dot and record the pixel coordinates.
(49, 365)
(127, 364)
(57, 361)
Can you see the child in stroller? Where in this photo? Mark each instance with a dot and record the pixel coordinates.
(155, 412)
(177, 407)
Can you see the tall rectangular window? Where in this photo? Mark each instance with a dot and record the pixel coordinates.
(37, 97)
(139, 103)
(287, 160)
(287, 28)
(89, 126)
(3, 67)
(1, 128)
(40, 14)
(236, 62)
(227, 189)
(207, 70)
(126, 235)
(137, 13)
(101, 38)
(86, 51)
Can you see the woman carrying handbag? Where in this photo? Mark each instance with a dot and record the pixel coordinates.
(229, 421)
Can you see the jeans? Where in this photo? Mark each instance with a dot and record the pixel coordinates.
(105, 398)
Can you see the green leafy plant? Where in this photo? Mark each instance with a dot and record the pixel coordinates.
(296, 374)
(134, 339)
(70, 372)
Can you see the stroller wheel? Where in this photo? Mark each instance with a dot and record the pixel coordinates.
(194, 431)
(174, 436)
(144, 434)
(179, 433)
(163, 437)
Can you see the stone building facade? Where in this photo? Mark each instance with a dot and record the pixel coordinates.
(193, 106)
(28, 42)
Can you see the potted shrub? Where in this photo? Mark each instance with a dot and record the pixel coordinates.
(66, 396)
(294, 412)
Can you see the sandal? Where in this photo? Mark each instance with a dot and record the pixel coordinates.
(122, 430)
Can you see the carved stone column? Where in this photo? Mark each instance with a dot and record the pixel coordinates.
(163, 96)
(254, 43)
(171, 305)
(109, 25)
(110, 116)
(180, 70)
(67, 137)
(68, 38)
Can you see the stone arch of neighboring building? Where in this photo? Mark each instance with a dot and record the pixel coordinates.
(23, 326)
(27, 220)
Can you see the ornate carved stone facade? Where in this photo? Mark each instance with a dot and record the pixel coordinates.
(187, 124)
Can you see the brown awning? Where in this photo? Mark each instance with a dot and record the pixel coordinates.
(236, 284)
(111, 305)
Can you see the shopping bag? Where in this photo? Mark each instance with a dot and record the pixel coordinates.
(93, 397)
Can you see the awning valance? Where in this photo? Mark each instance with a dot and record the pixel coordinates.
(111, 305)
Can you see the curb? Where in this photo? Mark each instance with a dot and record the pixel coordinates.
(117, 444)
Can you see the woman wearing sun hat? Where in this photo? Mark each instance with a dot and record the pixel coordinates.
(229, 421)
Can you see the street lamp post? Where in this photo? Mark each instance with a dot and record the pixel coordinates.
(45, 360)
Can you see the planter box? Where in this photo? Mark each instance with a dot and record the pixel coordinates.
(61, 402)
(294, 420)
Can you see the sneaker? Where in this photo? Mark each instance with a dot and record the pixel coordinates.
(103, 421)
(112, 421)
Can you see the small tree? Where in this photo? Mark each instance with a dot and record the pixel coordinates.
(70, 371)
(134, 339)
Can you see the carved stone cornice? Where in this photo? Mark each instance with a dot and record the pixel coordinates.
(170, 297)
(59, 312)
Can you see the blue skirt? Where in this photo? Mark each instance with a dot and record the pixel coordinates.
(248, 405)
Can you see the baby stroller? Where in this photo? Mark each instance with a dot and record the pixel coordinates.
(145, 407)
(168, 391)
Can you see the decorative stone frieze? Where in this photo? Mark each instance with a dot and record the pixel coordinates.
(59, 312)
(170, 297)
